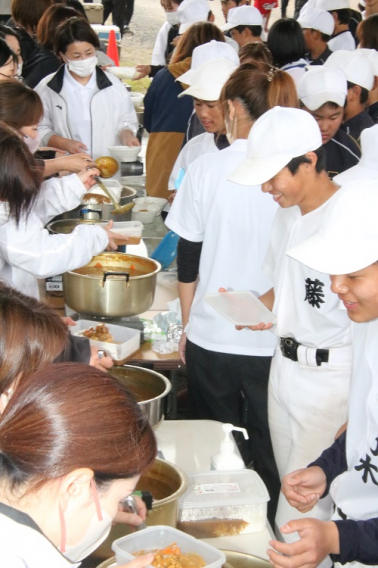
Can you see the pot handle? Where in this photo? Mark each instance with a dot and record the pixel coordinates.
(126, 274)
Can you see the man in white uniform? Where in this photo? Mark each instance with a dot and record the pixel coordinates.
(310, 373)
(346, 247)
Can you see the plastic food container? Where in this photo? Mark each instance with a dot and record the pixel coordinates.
(160, 202)
(136, 99)
(241, 308)
(127, 340)
(132, 229)
(160, 537)
(145, 213)
(223, 504)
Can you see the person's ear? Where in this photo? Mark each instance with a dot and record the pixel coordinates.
(231, 109)
(76, 486)
(310, 167)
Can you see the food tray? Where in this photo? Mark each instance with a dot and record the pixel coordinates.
(160, 537)
(223, 503)
(128, 340)
(241, 308)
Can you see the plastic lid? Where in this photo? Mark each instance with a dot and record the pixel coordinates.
(222, 488)
(241, 308)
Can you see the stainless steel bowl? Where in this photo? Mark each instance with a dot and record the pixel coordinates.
(66, 226)
(149, 389)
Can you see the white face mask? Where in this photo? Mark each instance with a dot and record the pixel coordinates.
(83, 67)
(19, 69)
(172, 18)
(97, 531)
(230, 127)
(32, 143)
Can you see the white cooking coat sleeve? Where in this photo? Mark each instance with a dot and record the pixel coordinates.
(58, 195)
(46, 124)
(31, 248)
(161, 42)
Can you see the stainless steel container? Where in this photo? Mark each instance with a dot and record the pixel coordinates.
(112, 295)
(66, 226)
(104, 209)
(149, 389)
(167, 483)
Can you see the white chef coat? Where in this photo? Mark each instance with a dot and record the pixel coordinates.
(322, 325)
(344, 40)
(356, 497)
(78, 99)
(161, 42)
(28, 251)
(22, 545)
(234, 223)
(195, 147)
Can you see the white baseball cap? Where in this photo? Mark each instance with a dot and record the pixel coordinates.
(367, 168)
(348, 238)
(278, 136)
(320, 85)
(190, 12)
(355, 66)
(331, 5)
(208, 52)
(243, 16)
(372, 57)
(207, 81)
(316, 19)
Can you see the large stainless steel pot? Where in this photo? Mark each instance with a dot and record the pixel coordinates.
(149, 389)
(167, 483)
(113, 295)
(66, 226)
(127, 195)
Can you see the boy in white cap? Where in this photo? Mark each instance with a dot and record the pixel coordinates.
(310, 373)
(317, 26)
(342, 37)
(360, 77)
(212, 64)
(322, 92)
(245, 24)
(346, 246)
(367, 168)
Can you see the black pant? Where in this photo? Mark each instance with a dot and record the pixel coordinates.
(234, 388)
(122, 11)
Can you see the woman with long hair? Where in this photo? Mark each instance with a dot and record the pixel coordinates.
(224, 231)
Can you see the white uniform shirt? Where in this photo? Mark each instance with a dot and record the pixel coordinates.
(344, 40)
(305, 307)
(28, 251)
(355, 491)
(196, 147)
(234, 223)
(25, 547)
(296, 69)
(161, 42)
(78, 99)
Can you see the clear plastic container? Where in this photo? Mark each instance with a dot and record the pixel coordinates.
(241, 307)
(132, 229)
(160, 537)
(223, 504)
(127, 340)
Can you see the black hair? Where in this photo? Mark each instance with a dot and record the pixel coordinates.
(74, 29)
(294, 164)
(255, 30)
(325, 37)
(343, 15)
(78, 6)
(364, 94)
(7, 30)
(6, 53)
(286, 42)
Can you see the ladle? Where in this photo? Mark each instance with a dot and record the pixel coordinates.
(118, 210)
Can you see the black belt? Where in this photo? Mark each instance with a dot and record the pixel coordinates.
(289, 349)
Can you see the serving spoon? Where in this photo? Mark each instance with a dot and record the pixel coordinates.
(118, 209)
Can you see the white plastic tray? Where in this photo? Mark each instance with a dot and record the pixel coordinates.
(160, 537)
(128, 340)
(241, 308)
